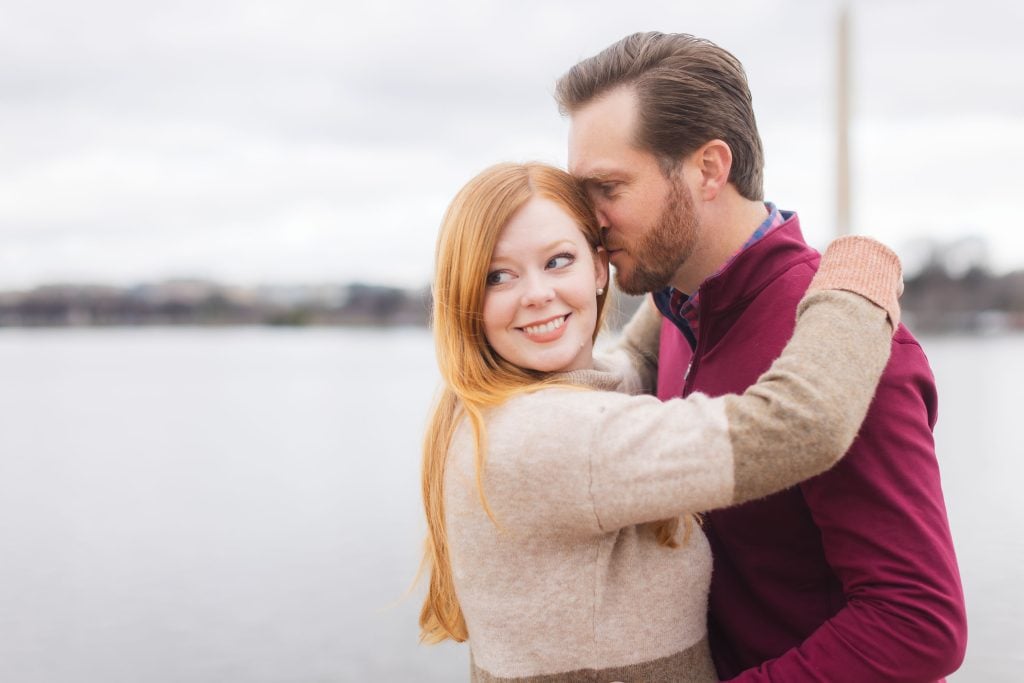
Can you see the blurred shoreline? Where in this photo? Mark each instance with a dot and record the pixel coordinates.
(191, 302)
(935, 300)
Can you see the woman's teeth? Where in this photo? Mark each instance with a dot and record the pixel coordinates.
(549, 326)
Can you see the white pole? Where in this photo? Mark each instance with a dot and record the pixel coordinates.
(843, 226)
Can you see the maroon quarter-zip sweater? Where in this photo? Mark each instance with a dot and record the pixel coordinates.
(850, 576)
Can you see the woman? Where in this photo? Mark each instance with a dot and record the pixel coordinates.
(552, 535)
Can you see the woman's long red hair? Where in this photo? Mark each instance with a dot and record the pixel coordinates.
(474, 376)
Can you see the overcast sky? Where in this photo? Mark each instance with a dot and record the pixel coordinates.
(318, 140)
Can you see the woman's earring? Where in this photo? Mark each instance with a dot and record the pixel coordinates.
(600, 291)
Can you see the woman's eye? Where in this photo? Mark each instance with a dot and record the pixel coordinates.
(498, 277)
(607, 189)
(560, 261)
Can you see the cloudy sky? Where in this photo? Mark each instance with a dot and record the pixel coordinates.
(317, 140)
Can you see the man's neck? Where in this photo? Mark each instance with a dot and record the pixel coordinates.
(724, 230)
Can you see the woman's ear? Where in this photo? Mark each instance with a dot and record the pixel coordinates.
(601, 268)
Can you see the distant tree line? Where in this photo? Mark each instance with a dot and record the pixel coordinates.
(194, 302)
(949, 288)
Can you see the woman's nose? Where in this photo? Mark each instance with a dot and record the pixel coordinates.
(537, 290)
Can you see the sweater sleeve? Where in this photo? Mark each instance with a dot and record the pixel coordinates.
(885, 535)
(795, 422)
(702, 453)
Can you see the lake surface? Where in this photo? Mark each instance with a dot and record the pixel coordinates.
(183, 505)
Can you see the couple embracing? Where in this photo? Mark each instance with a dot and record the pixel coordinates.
(773, 512)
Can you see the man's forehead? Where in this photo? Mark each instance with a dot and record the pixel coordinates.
(593, 157)
(601, 130)
(601, 165)
(601, 159)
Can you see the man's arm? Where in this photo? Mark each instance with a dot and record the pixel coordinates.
(885, 534)
(634, 355)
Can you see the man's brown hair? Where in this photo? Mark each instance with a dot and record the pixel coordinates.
(689, 91)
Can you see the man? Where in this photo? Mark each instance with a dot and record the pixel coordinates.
(850, 576)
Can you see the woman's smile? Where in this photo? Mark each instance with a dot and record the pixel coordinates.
(548, 330)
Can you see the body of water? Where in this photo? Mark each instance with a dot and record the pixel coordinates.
(183, 505)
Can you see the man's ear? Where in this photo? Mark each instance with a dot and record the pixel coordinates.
(601, 268)
(712, 161)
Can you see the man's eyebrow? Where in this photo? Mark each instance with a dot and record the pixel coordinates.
(595, 177)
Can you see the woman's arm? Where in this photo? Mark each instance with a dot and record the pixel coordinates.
(797, 420)
(813, 399)
(598, 461)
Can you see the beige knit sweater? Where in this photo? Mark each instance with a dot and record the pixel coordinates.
(571, 586)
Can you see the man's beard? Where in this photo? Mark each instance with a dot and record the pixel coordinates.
(665, 246)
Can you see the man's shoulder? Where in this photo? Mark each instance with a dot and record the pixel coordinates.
(778, 264)
(775, 297)
(776, 278)
(904, 337)
(788, 282)
(908, 372)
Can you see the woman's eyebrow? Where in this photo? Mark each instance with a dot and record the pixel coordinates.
(497, 256)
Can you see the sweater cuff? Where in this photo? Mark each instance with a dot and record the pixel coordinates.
(865, 267)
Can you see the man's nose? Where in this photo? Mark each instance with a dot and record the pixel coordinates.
(537, 290)
(602, 218)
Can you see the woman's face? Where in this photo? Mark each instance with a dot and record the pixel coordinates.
(540, 305)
